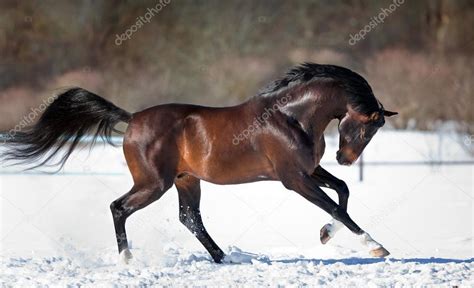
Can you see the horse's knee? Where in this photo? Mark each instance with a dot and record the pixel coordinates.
(186, 216)
(183, 217)
(187, 221)
(342, 189)
(189, 218)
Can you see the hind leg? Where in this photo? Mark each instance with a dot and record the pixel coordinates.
(189, 192)
(123, 207)
(153, 170)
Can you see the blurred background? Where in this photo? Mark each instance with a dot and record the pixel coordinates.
(418, 56)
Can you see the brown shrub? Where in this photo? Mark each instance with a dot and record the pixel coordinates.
(425, 88)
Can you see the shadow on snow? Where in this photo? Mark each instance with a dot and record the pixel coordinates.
(365, 261)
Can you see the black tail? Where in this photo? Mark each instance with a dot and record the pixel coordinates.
(73, 115)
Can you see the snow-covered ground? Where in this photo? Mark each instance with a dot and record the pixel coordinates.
(56, 230)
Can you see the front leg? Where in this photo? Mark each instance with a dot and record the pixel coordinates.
(307, 187)
(325, 179)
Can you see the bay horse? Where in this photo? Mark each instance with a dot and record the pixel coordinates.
(275, 135)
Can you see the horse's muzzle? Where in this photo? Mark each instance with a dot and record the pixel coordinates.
(342, 159)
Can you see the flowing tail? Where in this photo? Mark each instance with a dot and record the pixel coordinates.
(73, 114)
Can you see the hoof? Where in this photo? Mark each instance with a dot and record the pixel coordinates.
(379, 252)
(324, 233)
(125, 256)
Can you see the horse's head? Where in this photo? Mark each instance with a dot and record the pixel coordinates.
(355, 132)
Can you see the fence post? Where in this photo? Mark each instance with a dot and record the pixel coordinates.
(361, 167)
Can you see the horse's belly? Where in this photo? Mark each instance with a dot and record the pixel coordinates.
(226, 169)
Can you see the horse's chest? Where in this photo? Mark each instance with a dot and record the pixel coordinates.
(311, 156)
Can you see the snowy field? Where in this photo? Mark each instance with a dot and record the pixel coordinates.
(57, 231)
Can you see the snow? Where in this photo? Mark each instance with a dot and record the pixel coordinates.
(185, 269)
(56, 230)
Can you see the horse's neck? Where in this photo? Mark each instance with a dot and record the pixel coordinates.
(312, 111)
(312, 105)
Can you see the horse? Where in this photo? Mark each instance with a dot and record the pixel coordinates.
(278, 135)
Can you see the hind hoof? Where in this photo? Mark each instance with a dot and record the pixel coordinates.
(379, 252)
(125, 256)
(324, 233)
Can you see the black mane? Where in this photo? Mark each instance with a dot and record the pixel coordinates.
(359, 92)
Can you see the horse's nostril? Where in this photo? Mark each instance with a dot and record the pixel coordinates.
(342, 158)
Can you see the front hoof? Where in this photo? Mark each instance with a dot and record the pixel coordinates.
(324, 233)
(125, 256)
(379, 252)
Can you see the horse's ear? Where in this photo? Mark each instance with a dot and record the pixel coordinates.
(389, 113)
